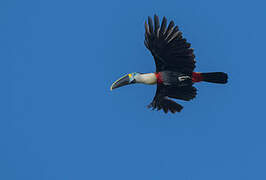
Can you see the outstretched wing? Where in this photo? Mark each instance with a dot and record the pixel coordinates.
(163, 93)
(185, 93)
(169, 49)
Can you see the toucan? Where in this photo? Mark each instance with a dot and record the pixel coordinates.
(175, 64)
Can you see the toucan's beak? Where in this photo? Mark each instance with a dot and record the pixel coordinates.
(125, 80)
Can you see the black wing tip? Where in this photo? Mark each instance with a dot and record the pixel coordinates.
(165, 110)
(169, 106)
(149, 18)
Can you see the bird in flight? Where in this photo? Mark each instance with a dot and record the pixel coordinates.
(175, 64)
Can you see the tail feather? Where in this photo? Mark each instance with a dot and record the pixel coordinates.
(215, 77)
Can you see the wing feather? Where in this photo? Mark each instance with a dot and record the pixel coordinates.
(156, 25)
(166, 104)
(150, 25)
(163, 27)
(163, 93)
(170, 50)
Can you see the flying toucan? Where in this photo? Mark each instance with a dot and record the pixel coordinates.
(175, 63)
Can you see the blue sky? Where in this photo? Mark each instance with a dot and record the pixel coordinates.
(59, 120)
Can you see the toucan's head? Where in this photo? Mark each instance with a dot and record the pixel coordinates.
(125, 80)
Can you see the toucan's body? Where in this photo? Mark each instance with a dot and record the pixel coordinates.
(175, 63)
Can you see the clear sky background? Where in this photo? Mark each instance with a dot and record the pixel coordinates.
(60, 121)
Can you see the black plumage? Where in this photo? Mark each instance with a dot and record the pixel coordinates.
(173, 58)
(175, 64)
(169, 49)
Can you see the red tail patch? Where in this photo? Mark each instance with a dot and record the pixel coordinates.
(196, 77)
